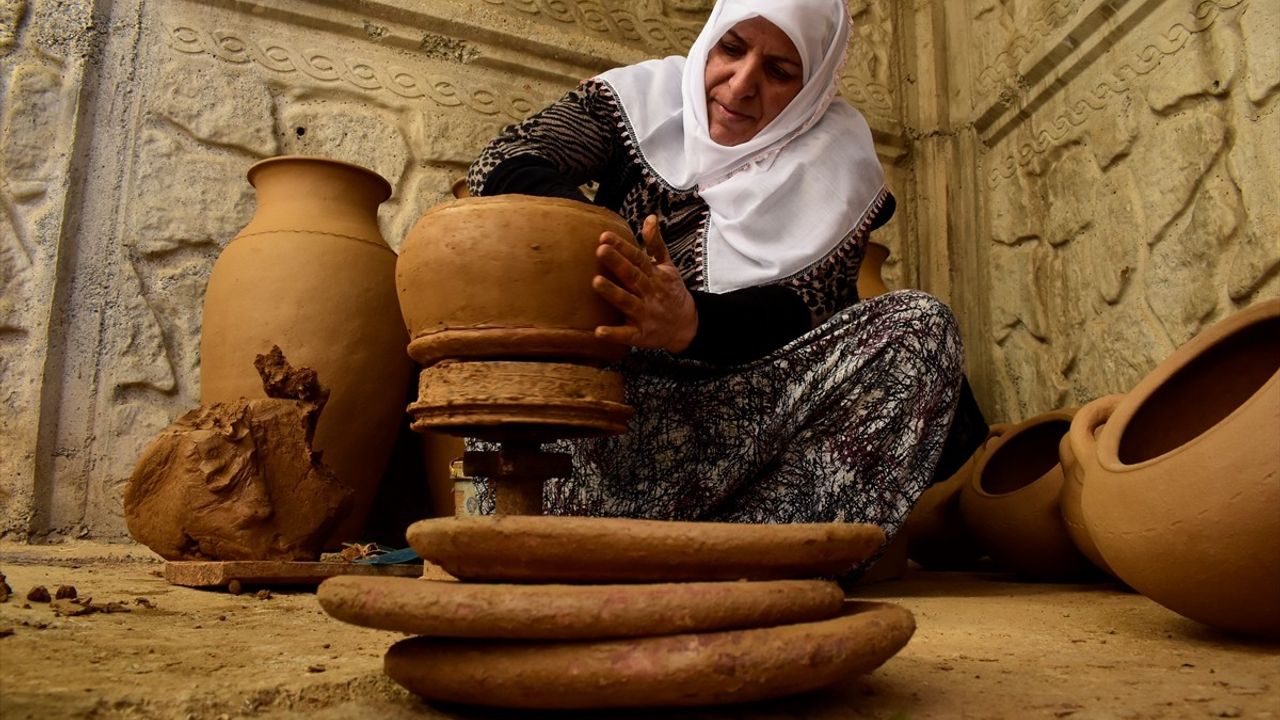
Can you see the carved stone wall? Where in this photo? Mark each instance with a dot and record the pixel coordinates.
(127, 128)
(1123, 186)
(1088, 182)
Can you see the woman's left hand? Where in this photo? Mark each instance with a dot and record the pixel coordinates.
(648, 289)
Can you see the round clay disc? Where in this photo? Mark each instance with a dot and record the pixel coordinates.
(574, 612)
(515, 548)
(678, 670)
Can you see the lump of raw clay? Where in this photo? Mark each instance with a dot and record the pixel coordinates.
(239, 480)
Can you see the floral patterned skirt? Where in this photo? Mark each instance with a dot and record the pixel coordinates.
(843, 424)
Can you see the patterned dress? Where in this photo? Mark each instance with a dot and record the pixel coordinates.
(843, 420)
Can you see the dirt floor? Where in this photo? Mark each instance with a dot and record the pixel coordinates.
(985, 648)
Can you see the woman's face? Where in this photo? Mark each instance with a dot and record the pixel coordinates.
(753, 72)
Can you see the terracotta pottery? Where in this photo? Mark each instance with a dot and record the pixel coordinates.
(500, 287)
(938, 538)
(507, 278)
(1011, 503)
(574, 612)
(870, 281)
(602, 550)
(1096, 413)
(1182, 488)
(311, 274)
(678, 670)
(543, 400)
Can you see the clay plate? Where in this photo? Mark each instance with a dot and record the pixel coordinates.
(511, 548)
(574, 612)
(678, 670)
(458, 610)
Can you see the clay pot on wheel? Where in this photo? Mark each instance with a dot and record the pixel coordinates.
(1095, 414)
(496, 293)
(1182, 488)
(1011, 504)
(312, 274)
(938, 536)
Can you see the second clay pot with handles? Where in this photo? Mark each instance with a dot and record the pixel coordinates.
(1011, 503)
(1182, 486)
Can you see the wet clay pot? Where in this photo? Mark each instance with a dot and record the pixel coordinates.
(506, 277)
(938, 537)
(311, 274)
(1011, 503)
(1182, 487)
(496, 293)
(870, 281)
(1096, 414)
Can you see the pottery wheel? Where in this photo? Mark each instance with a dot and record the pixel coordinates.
(451, 609)
(678, 670)
(601, 550)
(535, 401)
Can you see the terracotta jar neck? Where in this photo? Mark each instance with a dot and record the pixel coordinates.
(307, 194)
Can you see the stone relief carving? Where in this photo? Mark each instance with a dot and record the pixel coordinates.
(358, 73)
(1116, 83)
(869, 71)
(1162, 217)
(647, 24)
(11, 14)
(1002, 71)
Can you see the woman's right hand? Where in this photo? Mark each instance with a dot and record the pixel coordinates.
(646, 286)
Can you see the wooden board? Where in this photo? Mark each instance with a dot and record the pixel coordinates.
(196, 573)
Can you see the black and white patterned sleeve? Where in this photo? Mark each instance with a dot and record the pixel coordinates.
(574, 137)
(831, 284)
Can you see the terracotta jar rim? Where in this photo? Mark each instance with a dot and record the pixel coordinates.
(1108, 446)
(546, 202)
(372, 176)
(1009, 435)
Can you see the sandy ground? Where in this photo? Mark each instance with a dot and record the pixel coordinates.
(985, 648)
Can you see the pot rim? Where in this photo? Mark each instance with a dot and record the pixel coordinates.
(301, 159)
(975, 480)
(511, 198)
(1108, 448)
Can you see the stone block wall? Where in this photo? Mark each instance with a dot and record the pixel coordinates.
(1087, 182)
(1121, 160)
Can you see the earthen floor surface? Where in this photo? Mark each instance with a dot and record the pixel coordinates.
(985, 648)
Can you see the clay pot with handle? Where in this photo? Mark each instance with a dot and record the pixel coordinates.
(1074, 471)
(1182, 495)
(938, 536)
(312, 274)
(1011, 502)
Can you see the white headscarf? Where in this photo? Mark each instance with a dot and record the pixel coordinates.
(784, 199)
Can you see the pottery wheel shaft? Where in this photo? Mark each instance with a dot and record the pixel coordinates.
(517, 473)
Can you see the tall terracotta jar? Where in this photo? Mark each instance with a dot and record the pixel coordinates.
(1182, 488)
(1011, 502)
(312, 274)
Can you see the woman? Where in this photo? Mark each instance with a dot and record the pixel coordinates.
(764, 391)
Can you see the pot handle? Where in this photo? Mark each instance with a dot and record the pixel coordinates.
(1085, 423)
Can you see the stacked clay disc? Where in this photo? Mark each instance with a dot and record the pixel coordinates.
(563, 613)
